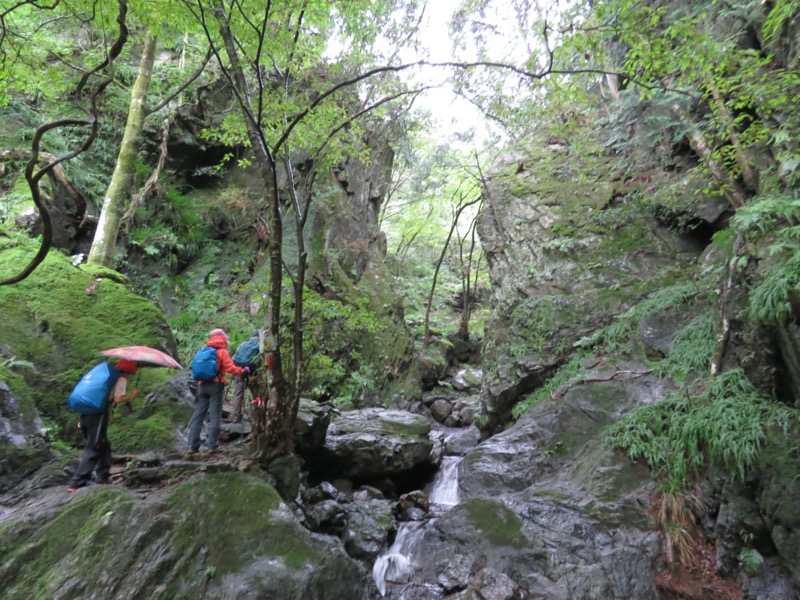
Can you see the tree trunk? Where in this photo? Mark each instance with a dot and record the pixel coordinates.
(279, 440)
(439, 262)
(105, 237)
(302, 203)
(466, 282)
(733, 192)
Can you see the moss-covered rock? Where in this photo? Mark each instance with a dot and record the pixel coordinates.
(373, 443)
(57, 320)
(23, 445)
(206, 537)
(500, 525)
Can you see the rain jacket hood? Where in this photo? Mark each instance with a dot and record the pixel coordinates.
(217, 341)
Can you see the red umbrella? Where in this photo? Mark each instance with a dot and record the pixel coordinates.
(144, 354)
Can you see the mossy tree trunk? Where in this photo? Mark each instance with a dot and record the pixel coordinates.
(105, 238)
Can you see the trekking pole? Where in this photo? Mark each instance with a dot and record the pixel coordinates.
(183, 437)
(99, 429)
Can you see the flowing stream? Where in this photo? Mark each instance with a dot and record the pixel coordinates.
(397, 566)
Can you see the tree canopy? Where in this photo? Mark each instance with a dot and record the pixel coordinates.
(301, 87)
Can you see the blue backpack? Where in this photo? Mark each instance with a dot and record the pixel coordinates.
(90, 395)
(204, 364)
(247, 354)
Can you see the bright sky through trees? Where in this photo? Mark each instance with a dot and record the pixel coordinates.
(454, 115)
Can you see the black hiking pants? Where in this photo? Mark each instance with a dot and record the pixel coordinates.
(97, 452)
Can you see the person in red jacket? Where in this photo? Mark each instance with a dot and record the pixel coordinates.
(208, 399)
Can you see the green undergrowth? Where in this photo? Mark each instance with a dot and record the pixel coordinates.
(352, 337)
(716, 420)
(720, 421)
(772, 223)
(690, 350)
(200, 312)
(89, 171)
(769, 301)
(690, 354)
(622, 333)
(354, 345)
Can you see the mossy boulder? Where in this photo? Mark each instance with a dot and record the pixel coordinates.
(23, 447)
(212, 536)
(55, 323)
(373, 443)
(564, 432)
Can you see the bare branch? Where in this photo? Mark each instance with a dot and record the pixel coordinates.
(182, 87)
(115, 49)
(458, 65)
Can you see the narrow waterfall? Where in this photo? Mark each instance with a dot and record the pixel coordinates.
(444, 489)
(397, 565)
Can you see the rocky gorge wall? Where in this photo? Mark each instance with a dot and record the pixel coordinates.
(568, 252)
(594, 293)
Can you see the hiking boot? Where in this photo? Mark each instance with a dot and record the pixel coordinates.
(72, 489)
(191, 451)
(213, 451)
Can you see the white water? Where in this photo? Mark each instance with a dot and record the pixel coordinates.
(397, 565)
(444, 489)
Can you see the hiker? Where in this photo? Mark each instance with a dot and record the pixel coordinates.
(94, 427)
(209, 367)
(246, 355)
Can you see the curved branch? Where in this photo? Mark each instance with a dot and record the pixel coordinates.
(33, 3)
(293, 122)
(33, 179)
(59, 175)
(116, 48)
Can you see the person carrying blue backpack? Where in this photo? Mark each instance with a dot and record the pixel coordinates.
(209, 367)
(91, 399)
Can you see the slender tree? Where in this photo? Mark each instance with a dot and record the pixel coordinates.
(294, 107)
(463, 200)
(469, 258)
(116, 208)
(105, 238)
